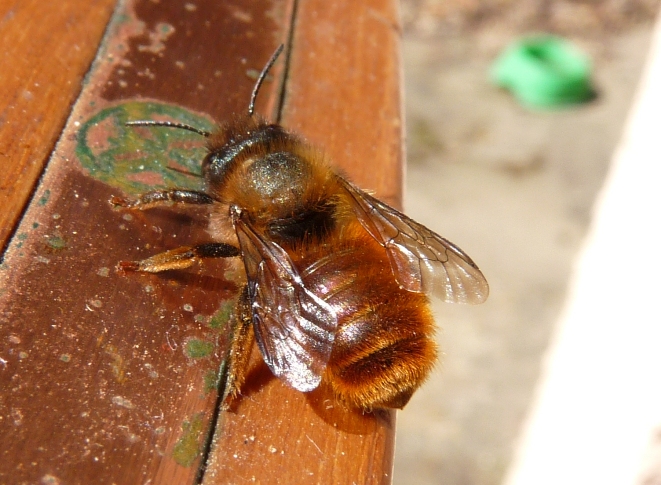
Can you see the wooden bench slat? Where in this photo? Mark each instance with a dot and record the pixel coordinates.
(45, 50)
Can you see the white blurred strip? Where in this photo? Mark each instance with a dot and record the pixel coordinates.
(599, 398)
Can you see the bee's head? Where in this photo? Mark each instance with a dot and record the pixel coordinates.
(241, 141)
(259, 166)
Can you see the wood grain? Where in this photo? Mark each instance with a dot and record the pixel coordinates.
(111, 378)
(345, 89)
(42, 71)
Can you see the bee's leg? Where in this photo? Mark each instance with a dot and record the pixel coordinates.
(180, 258)
(243, 337)
(162, 197)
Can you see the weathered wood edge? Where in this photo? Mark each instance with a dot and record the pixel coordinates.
(36, 93)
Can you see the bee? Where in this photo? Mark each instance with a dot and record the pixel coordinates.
(337, 282)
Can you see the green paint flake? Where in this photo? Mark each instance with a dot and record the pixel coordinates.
(165, 29)
(35, 225)
(43, 200)
(105, 272)
(56, 242)
(211, 381)
(189, 446)
(138, 159)
(198, 349)
(223, 315)
(65, 357)
(252, 74)
(21, 238)
(117, 364)
(49, 479)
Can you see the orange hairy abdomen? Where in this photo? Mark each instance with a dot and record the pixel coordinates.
(383, 347)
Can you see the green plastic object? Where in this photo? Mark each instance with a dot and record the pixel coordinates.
(544, 72)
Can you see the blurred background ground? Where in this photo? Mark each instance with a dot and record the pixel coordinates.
(513, 188)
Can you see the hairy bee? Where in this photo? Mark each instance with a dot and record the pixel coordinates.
(337, 281)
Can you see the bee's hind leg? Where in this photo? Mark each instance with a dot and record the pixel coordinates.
(180, 258)
(238, 360)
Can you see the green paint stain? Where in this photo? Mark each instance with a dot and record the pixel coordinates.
(118, 365)
(21, 239)
(49, 479)
(188, 447)
(223, 315)
(44, 197)
(211, 381)
(56, 242)
(103, 272)
(35, 225)
(137, 159)
(198, 349)
(65, 357)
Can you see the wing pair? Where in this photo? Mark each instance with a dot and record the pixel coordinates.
(295, 329)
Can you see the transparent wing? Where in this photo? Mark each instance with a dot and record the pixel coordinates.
(421, 260)
(294, 328)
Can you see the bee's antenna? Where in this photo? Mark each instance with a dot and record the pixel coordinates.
(260, 79)
(168, 124)
(184, 172)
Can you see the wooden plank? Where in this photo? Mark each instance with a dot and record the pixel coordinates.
(42, 72)
(107, 378)
(343, 94)
(345, 90)
(130, 403)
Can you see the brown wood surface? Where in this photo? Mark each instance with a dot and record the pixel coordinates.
(45, 50)
(353, 106)
(100, 379)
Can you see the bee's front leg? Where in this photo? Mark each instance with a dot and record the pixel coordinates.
(163, 197)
